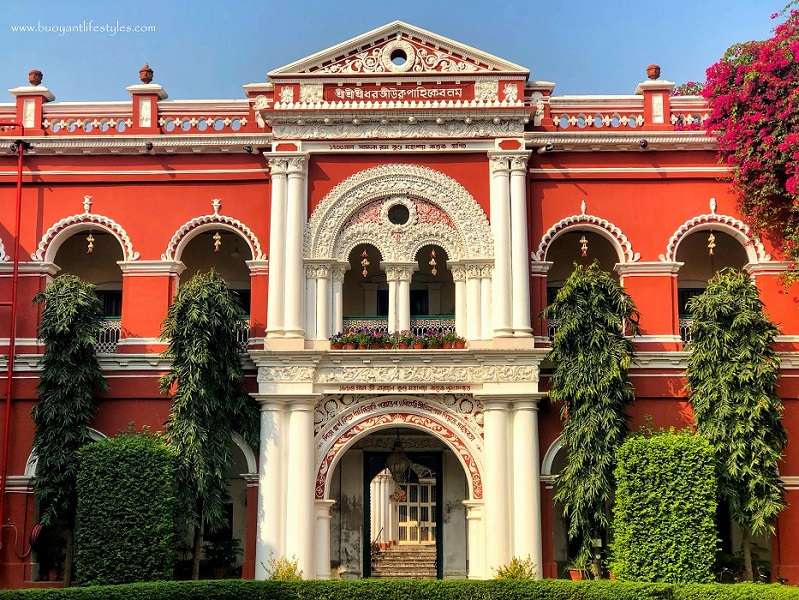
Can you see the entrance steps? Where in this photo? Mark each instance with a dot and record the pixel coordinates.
(405, 562)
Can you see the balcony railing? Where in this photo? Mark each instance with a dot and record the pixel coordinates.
(685, 329)
(108, 338)
(420, 324)
(243, 335)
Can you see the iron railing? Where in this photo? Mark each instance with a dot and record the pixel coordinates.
(420, 324)
(108, 338)
(685, 329)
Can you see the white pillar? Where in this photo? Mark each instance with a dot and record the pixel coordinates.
(310, 301)
(520, 257)
(269, 535)
(392, 305)
(338, 297)
(322, 541)
(526, 484)
(300, 489)
(296, 208)
(404, 302)
(277, 246)
(459, 277)
(496, 485)
(399, 276)
(485, 303)
(500, 226)
(323, 309)
(473, 311)
(475, 539)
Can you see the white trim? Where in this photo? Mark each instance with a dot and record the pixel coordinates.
(143, 268)
(30, 465)
(549, 458)
(140, 341)
(647, 268)
(28, 269)
(665, 339)
(122, 172)
(769, 268)
(249, 455)
(661, 170)
(787, 338)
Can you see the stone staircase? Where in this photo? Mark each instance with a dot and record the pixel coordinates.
(405, 562)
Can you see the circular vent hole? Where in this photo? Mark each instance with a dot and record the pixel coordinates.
(399, 214)
(398, 57)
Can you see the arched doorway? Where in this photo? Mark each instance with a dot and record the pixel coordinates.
(365, 290)
(703, 254)
(399, 509)
(576, 247)
(226, 252)
(432, 292)
(92, 255)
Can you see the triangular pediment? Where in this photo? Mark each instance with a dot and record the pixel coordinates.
(396, 49)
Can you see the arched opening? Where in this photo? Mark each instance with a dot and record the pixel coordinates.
(399, 509)
(432, 292)
(581, 247)
(365, 290)
(703, 254)
(92, 255)
(227, 253)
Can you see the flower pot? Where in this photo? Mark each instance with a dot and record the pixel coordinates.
(336, 346)
(362, 346)
(446, 345)
(460, 344)
(388, 346)
(576, 574)
(402, 346)
(349, 346)
(418, 346)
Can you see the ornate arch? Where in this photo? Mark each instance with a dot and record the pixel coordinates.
(458, 427)
(215, 220)
(444, 213)
(622, 245)
(247, 451)
(60, 231)
(739, 230)
(30, 465)
(549, 457)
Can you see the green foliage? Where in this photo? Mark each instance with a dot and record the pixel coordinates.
(69, 380)
(125, 522)
(518, 568)
(375, 589)
(209, 401)
(591, 358)
(732, 374)
(283, 569)
(664, 513)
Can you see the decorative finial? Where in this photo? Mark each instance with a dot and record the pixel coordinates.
(713, 206)
(653, 71)
(583, 206)
(365, 263)
(217, 241)
(146, 74)
(216, 204)
(583, 246)
(35, 77)
(433, 263)
(87, 204)
(90, 243)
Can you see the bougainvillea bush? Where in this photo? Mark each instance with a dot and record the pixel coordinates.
(754, 113)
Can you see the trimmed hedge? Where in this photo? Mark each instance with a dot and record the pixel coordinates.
(410, 590)
(125, 522)
(664, 516)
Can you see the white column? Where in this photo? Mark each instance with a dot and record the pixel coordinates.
(459, 277)
(310, 301)
(497, 484)
(277, 246)
(338, 297)
(392, 305)
(399, 276)
(526, 484)
(485, 303)
(323, 309)
(296, 208)
(269, 536)
(300, 489)
(404, 302)
(520, 257)
(473, 311)
(322, 538)
(475, 539)
(500, 226)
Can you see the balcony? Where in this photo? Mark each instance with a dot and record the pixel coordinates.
(420, 324)
(108, 338)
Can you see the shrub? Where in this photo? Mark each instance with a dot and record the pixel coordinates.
(664, 514)
(518, 568)
(409, 590)
(283, 569)
(125, 527)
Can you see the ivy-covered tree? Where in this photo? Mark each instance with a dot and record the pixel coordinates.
(209, 401)
(591, 358)
(70, 378)
(732, 375)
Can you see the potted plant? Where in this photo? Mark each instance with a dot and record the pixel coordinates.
(404, 340)
(388, 342)
(434, 342)
(576, 570)
(362, 339)
(349, 341)
(448, 340)
(336, 342)
(223, 555)
(460, 343)
(419, 343)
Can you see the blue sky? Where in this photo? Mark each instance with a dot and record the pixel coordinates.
(208, 49)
